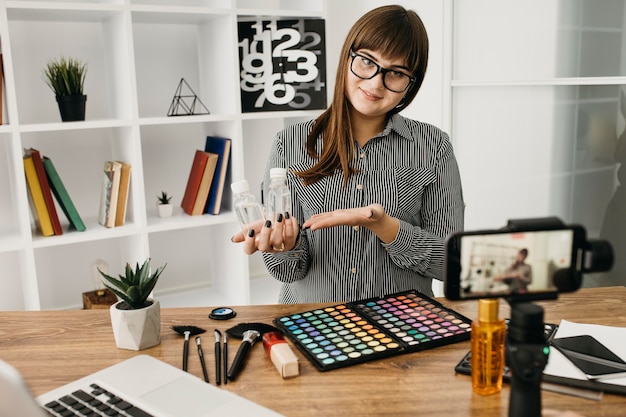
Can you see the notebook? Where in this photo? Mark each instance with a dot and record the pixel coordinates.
(153, 387)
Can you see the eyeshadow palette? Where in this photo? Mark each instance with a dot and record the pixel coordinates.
(351, 333)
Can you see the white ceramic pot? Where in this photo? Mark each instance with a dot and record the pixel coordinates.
(136, 329)
(165, 210)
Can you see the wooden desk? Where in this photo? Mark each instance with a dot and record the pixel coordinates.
(52, 348)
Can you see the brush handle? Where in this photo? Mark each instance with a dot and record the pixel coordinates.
(240, 359)
(186, 351)
(202, 362)
(218, 361)
(249, 337)
(225, 357)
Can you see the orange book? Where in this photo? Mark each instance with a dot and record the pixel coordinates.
(193, 182)
(122, 198)
(45, 188)
(38, 203)
(205, 184)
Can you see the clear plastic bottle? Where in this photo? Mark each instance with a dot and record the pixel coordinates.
(249, 211)
(487, 348)
(278, 194)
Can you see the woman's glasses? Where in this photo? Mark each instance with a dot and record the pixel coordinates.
(364, 68)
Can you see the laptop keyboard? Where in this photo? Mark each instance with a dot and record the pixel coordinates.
(92, 402)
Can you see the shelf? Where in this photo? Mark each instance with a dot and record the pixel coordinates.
(137, 52)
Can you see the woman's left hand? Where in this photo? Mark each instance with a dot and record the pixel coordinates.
(372, 217)
(360, 216)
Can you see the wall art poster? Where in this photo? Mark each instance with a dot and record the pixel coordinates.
(282, 64)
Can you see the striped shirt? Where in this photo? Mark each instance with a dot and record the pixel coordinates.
(409, 169)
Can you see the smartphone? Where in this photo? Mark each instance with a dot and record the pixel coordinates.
(527, 264)
(590, 356)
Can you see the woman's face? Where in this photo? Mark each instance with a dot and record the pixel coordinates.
(370, 97)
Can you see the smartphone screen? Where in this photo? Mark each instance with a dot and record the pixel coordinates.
(525, 264)
(590, 356)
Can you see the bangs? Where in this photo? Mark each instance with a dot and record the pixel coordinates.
(394, 36)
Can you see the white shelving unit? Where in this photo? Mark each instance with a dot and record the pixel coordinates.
(137, 51)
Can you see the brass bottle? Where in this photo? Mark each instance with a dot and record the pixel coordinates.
(487, 348)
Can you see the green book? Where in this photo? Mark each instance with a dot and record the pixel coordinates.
(62, 196)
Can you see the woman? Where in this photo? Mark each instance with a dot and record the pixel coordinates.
(379, 192)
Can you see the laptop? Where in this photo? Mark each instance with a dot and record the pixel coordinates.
(142, 386)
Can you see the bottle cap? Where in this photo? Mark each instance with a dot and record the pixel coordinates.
(240, 186)
(488, 309)
(278, 173)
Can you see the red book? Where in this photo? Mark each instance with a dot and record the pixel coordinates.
(205, 184)
(193, 182)
(45, 188)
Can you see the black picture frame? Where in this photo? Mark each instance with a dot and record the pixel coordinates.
(282, 64)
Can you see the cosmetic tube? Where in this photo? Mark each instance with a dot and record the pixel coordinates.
(281, 354)
(487, 348)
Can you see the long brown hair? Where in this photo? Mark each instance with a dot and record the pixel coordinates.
(395, 31)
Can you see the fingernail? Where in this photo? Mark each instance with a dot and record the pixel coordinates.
(287, 216)
(268, 224)
(279, 218)
(251, 233)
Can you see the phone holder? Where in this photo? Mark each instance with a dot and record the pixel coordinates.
(527, 349)
(526, 356)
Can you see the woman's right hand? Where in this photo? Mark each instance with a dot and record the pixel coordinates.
(282, 236)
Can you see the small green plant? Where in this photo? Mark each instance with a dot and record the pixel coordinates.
(65, 76)
(164, 198)
(134, 286)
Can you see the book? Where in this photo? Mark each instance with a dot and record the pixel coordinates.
(200, 159)
(109, 193)
(36, 199)
(122, 198)
(45, 189)
(220, 146)
(62, 196)
(205, 184)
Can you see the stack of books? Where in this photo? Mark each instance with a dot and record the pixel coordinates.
(210, 169)
(43, 182)
(114, 193)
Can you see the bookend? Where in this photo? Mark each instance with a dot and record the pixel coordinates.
(181, 107)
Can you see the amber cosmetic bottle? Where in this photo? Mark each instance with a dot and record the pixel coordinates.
(487, 348)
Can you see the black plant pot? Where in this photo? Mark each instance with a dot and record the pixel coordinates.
(72, 108)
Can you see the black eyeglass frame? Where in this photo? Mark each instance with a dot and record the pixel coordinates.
(379, 70)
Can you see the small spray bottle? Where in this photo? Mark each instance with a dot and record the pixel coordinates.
(487, 348)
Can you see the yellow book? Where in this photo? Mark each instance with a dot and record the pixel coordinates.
(40, 211)
(122, 198)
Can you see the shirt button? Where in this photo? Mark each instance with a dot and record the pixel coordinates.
(359, 187)
(362, 155)
(356, 228)
(353, 270)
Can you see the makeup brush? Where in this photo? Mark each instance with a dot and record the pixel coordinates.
(250, 333)
(187, 331)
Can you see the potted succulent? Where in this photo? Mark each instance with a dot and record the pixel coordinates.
(66, 77)
(164, 206)
(136, 318)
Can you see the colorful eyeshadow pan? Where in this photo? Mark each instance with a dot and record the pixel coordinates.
(352, 333)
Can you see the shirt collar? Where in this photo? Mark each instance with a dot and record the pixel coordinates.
(398, 124)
